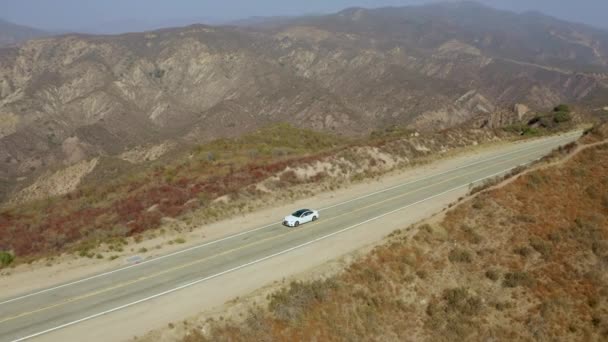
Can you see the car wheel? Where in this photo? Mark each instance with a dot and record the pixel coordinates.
(296, 224)
(314, 218)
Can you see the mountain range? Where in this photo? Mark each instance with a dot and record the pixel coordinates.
(11, 34)
(70, 98)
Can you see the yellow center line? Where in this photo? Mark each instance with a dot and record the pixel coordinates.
(176, 268)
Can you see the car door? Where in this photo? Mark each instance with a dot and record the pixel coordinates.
(307, 216)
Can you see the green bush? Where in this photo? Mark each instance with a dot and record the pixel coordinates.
(562, 108)
(560, 117)
(561, 114)
(6, 258)
(522, 128)
(530, 131)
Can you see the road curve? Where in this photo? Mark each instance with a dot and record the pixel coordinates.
(35, 314)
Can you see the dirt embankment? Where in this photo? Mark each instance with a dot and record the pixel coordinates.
(526, 261)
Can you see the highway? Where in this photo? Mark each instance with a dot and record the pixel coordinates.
(46, 311)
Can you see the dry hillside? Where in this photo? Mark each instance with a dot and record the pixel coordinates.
(210, 182)
(72, 98)
(527, 261)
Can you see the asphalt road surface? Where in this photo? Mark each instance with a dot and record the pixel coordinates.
(45, 311)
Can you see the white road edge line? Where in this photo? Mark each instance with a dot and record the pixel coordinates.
(139, 264)
(258, 260)
(545, 142)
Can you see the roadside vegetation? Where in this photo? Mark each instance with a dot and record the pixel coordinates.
(522, 262)
(542, 123)
(6, 258)
(214, 181)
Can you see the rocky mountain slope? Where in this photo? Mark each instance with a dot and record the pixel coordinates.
(11, 34)
(70, 99)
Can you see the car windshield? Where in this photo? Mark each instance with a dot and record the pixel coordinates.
(299, 212)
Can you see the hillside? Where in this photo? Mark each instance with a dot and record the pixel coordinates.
(519, 262)
(11, 34)
(205, 184)
(65, 101)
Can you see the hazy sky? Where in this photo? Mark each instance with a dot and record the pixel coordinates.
(102, 14)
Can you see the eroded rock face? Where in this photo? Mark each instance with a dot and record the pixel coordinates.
(55, 184)
(521, 110)
(8, 124)
(74, 150)
(73, 98)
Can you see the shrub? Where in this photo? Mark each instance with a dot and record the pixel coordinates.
(280, 152)
(458, 300)
(492, 275)
(289, 177)
(501, 306)
(157, 73)
(524, 129)
(472, 236)
(541, 246)
(6, 258)
(523, 251)
(515, 279)
(516, 128)
(529, 131)
(562, 108)
(453, 318)
(460, 255)
(560, 117)
(422, 274)
(561, 114)
(426, 228)
(535, 179)
(290, 304)
(483, 186)
(477, 204)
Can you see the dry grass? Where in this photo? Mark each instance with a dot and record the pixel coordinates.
(189, 186)
(529, 264)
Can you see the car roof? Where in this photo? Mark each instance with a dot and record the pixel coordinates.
(301, 211)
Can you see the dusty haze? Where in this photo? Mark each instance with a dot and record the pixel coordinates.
(115, 16)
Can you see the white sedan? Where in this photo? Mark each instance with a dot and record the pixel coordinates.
(300, 217)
